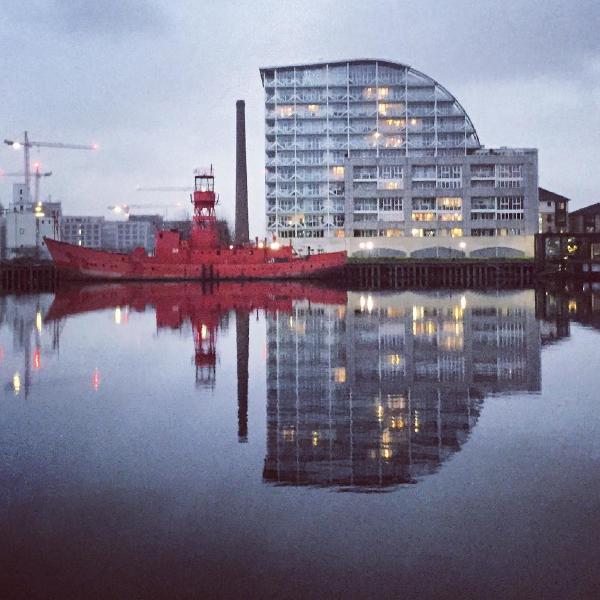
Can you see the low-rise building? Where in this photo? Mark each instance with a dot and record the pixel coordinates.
(25, 224)
(82, 231)
(586, 219)
(553, 212)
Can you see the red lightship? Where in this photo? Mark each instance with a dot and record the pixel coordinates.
(200, 257)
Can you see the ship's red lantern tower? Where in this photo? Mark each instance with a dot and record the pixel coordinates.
(204, 231)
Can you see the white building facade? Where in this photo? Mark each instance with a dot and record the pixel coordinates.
(375, 149)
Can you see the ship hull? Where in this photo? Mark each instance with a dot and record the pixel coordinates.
(77, 262)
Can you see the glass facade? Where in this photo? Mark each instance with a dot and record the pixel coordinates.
(368, 148)
(318, 115)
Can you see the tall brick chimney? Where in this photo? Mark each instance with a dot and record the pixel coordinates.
(242, 234)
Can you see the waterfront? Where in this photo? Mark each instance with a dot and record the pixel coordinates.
(461, 426)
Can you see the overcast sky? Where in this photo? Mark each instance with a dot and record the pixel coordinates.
(154, 83)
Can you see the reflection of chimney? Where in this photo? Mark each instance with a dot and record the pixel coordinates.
(242, 235)
(242, 334)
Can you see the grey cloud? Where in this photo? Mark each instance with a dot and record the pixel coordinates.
(112, 18)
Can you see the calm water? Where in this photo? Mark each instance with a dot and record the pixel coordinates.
(285, 441)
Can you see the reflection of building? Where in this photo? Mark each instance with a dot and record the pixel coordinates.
(32, 341)
(206, 308)
(558, 305)
(382, 390)
(377, 149)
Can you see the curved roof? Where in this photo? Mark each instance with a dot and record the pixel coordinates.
(388, 63)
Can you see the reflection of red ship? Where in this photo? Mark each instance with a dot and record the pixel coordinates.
(205, 307)
(200, 257)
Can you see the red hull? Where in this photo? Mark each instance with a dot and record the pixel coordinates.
(183, 263)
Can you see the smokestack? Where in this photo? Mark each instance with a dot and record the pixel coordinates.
(242, 335)
(242, 235)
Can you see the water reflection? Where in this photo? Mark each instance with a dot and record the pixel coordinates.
(558, 305)
(381, 390)
(24, 317)
(364, 391)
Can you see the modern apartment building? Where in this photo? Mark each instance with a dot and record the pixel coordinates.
(375, 149)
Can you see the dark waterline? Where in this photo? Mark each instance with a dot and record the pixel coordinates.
(292, 441)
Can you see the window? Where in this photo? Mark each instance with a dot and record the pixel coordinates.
(423, 203)
(365, 204)
(486, 203)
(338, 220)
(390, 204)
(337, 204)
(365, 173)
(390, 172)
(312, 189)
(424, 172)
(483, 216)
(391, 232)
(483, 232)
(509, 171)
(482, 171)
(444, 203)
(449, 171)
(510, 203)
(424, 216)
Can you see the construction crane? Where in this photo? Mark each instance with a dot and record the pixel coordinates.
(37, 176)
(126, 208)
(26, 144)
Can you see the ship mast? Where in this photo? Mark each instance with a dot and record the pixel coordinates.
(204, 231)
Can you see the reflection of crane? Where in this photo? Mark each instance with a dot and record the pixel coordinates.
(26, 144)
(37, 176)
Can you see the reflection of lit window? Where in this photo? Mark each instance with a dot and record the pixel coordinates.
(37, 358)
(339, 374)
(379, 411)
(418, 312)
(397, 423)
(289, 433)
(428, 328)
(386, 438)
(16, 383)
(417, 422)
(395, 360)
(118, 315)
(572, 306)
(315, 438)
(457, 312)
(396, 402)
(96, 379)
(38, 321)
